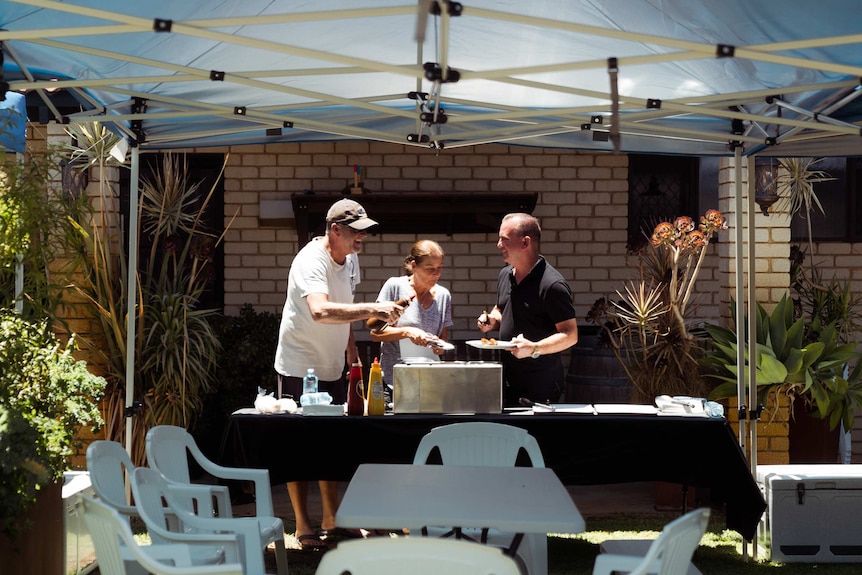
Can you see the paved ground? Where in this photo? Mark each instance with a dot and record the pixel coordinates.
(591, 500)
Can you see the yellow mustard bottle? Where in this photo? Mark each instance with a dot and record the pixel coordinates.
(376, 403)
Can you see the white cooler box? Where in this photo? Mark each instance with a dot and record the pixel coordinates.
(80, 552)
(814, 512)
(447, 387)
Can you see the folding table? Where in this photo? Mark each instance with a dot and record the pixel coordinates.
(513, 499)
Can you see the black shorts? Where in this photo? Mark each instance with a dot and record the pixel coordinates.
(292, 387)
(542, 382)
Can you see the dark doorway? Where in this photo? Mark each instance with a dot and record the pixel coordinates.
(206, 169)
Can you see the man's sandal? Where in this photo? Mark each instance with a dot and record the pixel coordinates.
(340, 534)
(311, 542)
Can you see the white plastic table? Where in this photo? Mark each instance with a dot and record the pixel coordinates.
(512, 499)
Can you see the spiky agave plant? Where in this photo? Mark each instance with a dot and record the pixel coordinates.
(795, 184)
(650, 337)
(791, 360)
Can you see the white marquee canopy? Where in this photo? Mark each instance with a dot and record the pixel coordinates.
(685, 76)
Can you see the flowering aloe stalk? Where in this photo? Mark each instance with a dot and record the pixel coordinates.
(688, 249)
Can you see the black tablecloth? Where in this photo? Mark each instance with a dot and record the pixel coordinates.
(582, 449)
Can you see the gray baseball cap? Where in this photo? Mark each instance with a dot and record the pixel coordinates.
(349, 213)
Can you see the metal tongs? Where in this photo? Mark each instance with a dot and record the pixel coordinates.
(534, 404)
(679, 403)
(439, 343)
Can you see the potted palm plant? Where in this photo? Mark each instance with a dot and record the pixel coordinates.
(804, 361)
(820, 301)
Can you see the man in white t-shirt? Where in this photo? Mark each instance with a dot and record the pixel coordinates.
(315, 333)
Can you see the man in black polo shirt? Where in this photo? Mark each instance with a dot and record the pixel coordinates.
(535, 311)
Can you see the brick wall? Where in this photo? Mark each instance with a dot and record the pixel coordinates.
(38, 138)
(582, 207)
(771, 245)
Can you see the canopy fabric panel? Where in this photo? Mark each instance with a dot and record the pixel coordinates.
(13, 123)
(691, 77)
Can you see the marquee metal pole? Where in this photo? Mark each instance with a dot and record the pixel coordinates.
(131, 296)
(739, 291)
(739, 283)
(753, 405)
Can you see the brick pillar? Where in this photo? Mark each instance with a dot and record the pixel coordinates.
(772, 267)
(77, 314)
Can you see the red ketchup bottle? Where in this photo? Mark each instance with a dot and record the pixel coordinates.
(355, 391)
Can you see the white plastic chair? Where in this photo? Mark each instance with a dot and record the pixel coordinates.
(479, 443)
(115, 545)
(155, 499)
(168, 449)
(669, 554)
(109, 464)
(490, 444)
(417, 556)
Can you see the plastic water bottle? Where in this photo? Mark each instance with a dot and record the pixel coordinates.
(309, 382)
(714, 409)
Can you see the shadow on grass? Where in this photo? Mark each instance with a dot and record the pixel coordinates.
(720, 551)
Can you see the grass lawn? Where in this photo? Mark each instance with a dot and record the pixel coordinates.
(719, 553)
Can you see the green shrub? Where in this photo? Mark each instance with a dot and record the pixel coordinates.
(45, 396)
(248, 344)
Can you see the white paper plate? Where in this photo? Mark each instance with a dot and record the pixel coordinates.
(478, 343)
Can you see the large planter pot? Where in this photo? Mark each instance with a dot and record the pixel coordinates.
(39, 550)
(596, 376)
(811, 440)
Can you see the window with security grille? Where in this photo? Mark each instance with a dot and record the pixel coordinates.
(661, 188)
(839, 220)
